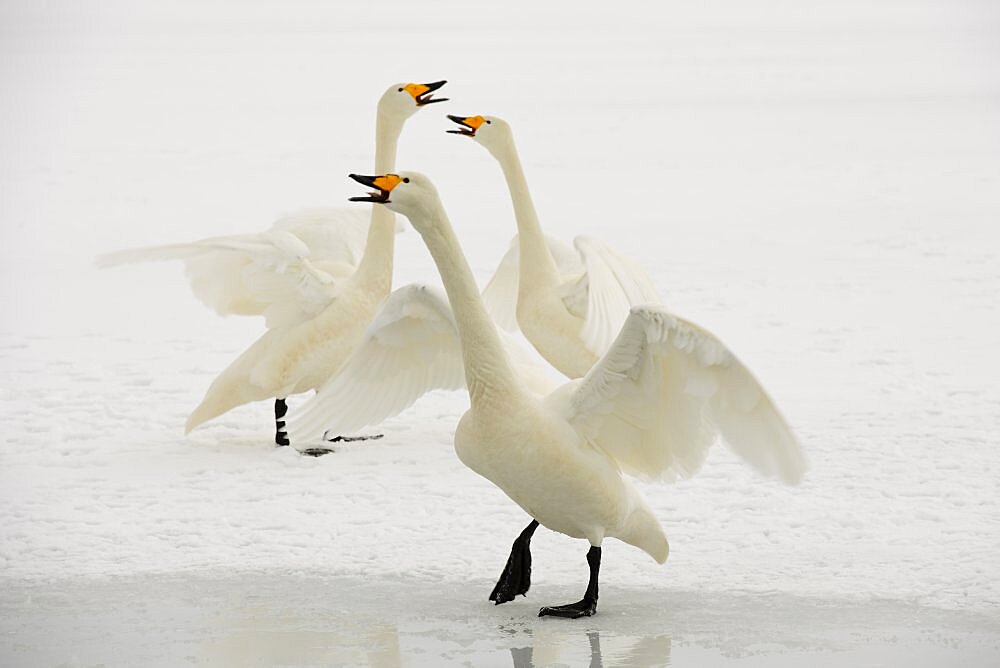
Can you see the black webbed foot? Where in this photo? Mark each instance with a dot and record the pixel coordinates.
(316, 452)
(585, 608)
(351, 439)
(516, 576)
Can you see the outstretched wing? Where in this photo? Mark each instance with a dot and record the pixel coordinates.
(500, 294)
(286, 274)
(411, 348)
(333, 234)
(665, 390)
(602, 296)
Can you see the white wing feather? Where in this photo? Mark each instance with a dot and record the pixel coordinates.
(500, 294)
(538, 376)
(610, 286)
(332, 234)
(287, 273)
(664, 391)
(411, 348)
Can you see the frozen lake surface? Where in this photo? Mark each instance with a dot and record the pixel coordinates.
(815, 182)
(273, 619)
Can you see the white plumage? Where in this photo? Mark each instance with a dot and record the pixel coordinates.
(285, 274)
(611, 284)
(570, 314)
(500, 293)
(663, 393)
(569, 302)
(318, 278)
(411, 347)
(652, 405)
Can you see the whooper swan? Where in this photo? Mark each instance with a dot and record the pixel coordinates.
(569, 303)
(317, 277)
(652, 405)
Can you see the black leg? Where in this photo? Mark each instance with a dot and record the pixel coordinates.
(280, 408)
(586, 607)
(516, 576)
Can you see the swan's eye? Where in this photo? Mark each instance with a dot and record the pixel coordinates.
(400, 90)
(406, 180)
(489, 122)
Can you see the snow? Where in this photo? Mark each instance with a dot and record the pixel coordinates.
(816, 183)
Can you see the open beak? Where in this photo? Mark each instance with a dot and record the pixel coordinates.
(422, 92)
(469, 125)
(383, 185)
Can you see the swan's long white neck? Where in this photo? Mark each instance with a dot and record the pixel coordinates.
(490, 378)
(538, 267)
(375, 268)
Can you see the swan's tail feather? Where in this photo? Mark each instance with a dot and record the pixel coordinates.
(228, 391)
(210, 407)
(216, 402)
(656, 546)
(233, 387)
(148, 254)
(644, 531)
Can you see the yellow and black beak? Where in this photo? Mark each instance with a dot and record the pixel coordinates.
(469, 125)
(383, 184)
(422, 92)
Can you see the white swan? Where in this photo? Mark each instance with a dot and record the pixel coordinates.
(318, 277)
(569, 303)
(652, 405)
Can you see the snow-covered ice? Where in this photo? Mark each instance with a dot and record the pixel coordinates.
(817, 183)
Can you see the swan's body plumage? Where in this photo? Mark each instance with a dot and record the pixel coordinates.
(531, 452)
(652, 405)
(291, 359)
(500, 293)
(579, 314)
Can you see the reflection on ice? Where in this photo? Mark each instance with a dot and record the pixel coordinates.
(375, 646)
(379, 645)
(267, 619)
(642, 651)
